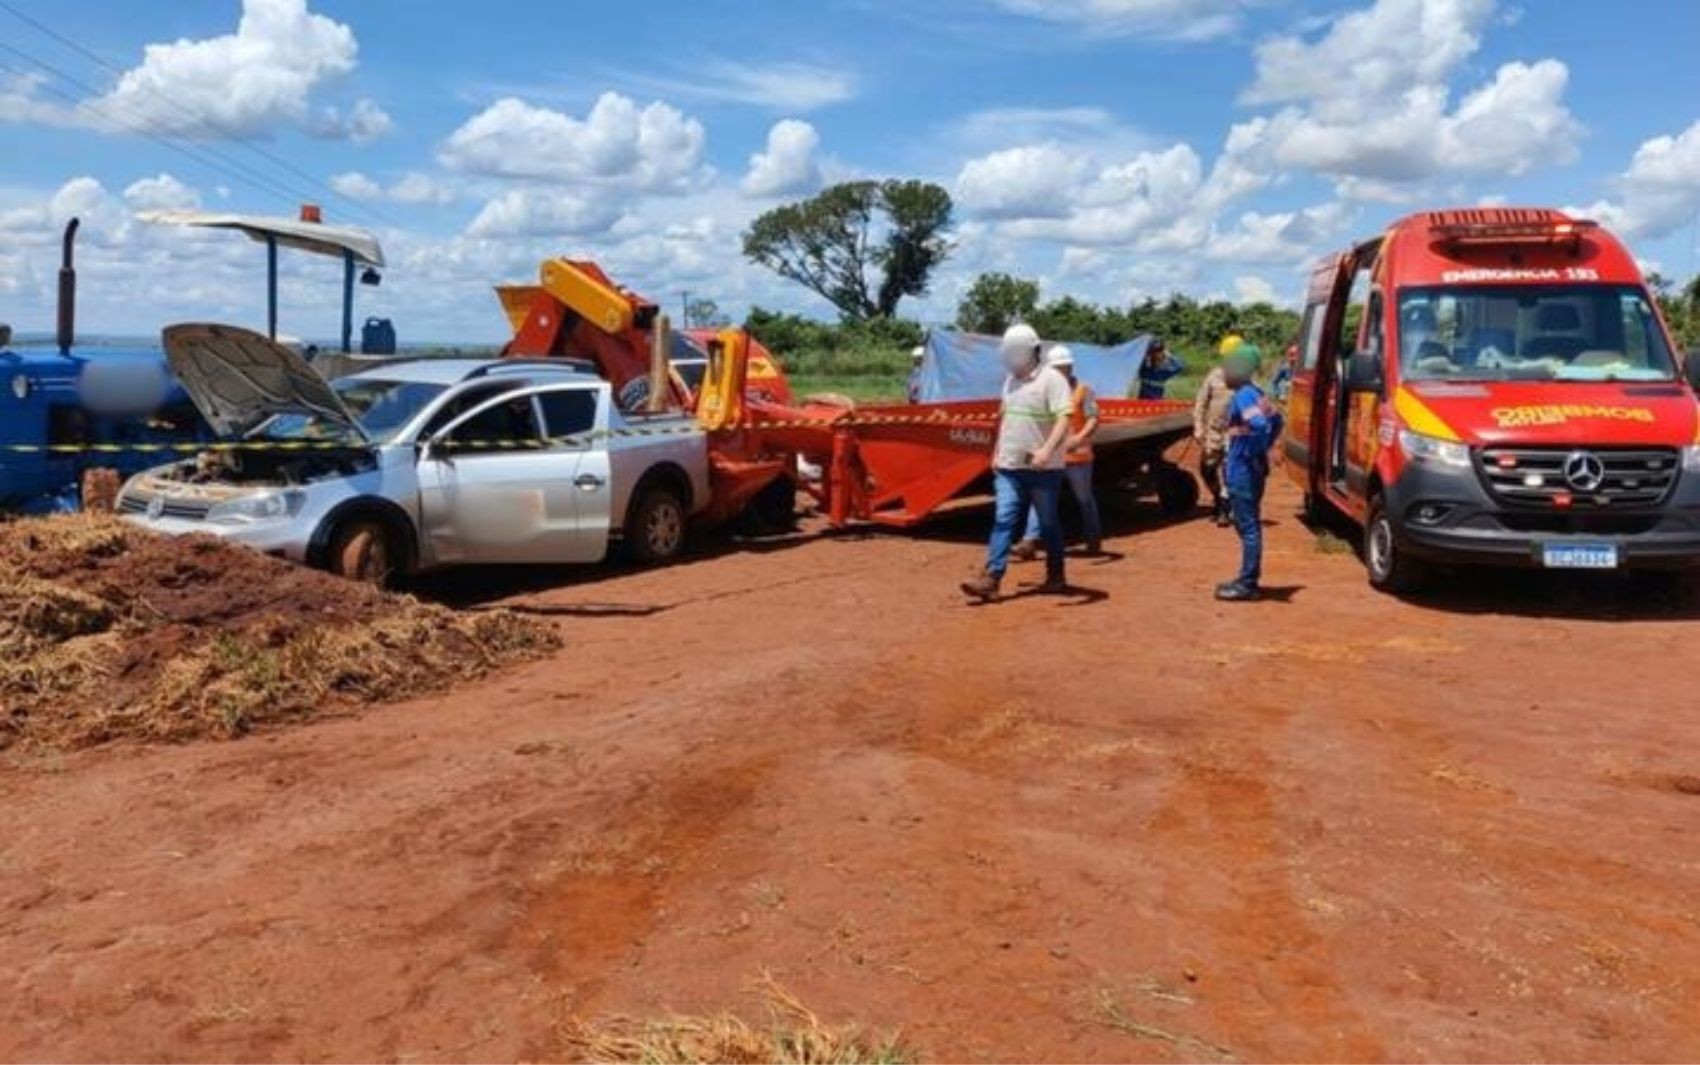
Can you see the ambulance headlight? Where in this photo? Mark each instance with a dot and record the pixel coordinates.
(266, 506)
(1420, 448)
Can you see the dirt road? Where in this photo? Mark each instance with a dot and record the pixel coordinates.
(1132, 824)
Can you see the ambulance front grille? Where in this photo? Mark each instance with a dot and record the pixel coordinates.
(1590, 477)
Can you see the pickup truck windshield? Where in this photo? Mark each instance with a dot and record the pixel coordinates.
(381, 407)
(1531, 333)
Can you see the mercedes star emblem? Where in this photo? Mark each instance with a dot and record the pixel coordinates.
(1584, 471)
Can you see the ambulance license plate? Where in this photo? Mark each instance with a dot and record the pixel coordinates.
(1579, 556)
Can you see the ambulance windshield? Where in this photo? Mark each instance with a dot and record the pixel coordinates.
(1531, 332)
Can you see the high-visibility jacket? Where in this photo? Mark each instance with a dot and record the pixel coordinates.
(1083, 406)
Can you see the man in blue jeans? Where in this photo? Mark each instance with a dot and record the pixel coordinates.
(1254, 425)
(1077, 469)
(1027, 461)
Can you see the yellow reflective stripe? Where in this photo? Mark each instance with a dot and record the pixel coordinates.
(1419, 419)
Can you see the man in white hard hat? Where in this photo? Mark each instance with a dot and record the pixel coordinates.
(1077, 468)
(917, 359)
(1027, 461)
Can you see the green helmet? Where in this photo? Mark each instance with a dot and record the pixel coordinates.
(1242, 363)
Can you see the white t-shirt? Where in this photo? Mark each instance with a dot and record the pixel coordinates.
(1031, 407)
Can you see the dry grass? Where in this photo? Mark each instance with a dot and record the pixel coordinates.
(1329, 544)
(793, 1035)
(108, 632)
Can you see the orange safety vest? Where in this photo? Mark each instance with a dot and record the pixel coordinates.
(1077, 418)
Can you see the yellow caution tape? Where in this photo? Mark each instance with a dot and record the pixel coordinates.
(849, 420)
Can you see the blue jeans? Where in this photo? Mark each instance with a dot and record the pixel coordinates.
(1016, 491)
(1078, 477)
(1245, 503)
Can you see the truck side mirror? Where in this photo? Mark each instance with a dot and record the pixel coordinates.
(1691, 368)
(1364, 373)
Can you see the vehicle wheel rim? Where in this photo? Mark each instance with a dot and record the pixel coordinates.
(1380, 548)
(371, 556)
(664, 529)
(375, 561)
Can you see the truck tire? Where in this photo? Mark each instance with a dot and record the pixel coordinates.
(1390, 569)
(656, 526)
(362, 549)
(1177, 490)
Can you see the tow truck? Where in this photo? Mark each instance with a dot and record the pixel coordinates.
(887, 464)
(1510, 397)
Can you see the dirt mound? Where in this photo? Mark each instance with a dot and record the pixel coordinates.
(110, 632)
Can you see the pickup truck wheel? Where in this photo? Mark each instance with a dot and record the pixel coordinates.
(361, 550)
(1390, 569)
(655, 531)
(1177, 490)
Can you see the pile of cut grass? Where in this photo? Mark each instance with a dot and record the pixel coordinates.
(109, 632)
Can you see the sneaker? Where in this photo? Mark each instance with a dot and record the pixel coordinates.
(1025, 551)
(1055, 584)
(984, 588)
(1235, 592)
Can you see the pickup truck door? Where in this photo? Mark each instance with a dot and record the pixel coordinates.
(576, 419)
(493, 489)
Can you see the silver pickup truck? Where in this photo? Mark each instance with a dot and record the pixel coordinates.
(419, 464)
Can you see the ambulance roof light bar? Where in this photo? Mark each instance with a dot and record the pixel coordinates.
(1558, 230)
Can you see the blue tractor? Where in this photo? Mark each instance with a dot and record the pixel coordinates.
(66, 410)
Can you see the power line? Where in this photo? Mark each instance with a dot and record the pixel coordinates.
(196, 116)
(235, 171)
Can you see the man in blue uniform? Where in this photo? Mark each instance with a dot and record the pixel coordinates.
(1156, 370)
(1254, 425)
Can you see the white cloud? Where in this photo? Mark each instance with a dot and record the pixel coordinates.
(357, 186)
(778, 86)
(365, 122)
(1373, 53)
(1287, 237)
(788, 166)
(654, 148)
(1034, 181)
(238, 85)
(416, 188)
(1175, 19)
(535, 212)
(1253, 289)
(412, 187)
(1370, 101)
(161, 192)
(1660, 192)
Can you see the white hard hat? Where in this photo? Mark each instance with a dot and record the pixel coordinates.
(1060, 356)
(1021, 337)
(919, 352)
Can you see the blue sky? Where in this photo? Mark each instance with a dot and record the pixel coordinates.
(1112, 149)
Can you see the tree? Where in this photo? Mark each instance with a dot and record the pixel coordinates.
(834, 243)
(704, 314)
(996, 301)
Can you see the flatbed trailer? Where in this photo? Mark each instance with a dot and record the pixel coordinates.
(898, 464)
(891, 464)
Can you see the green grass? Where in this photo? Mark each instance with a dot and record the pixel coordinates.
(863, 388)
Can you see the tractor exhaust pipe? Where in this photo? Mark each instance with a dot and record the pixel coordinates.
(68, 289)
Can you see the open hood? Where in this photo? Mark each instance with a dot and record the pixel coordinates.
(238, 379)
(1549, 414)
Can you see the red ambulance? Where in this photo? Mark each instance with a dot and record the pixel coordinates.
(1508, 395)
